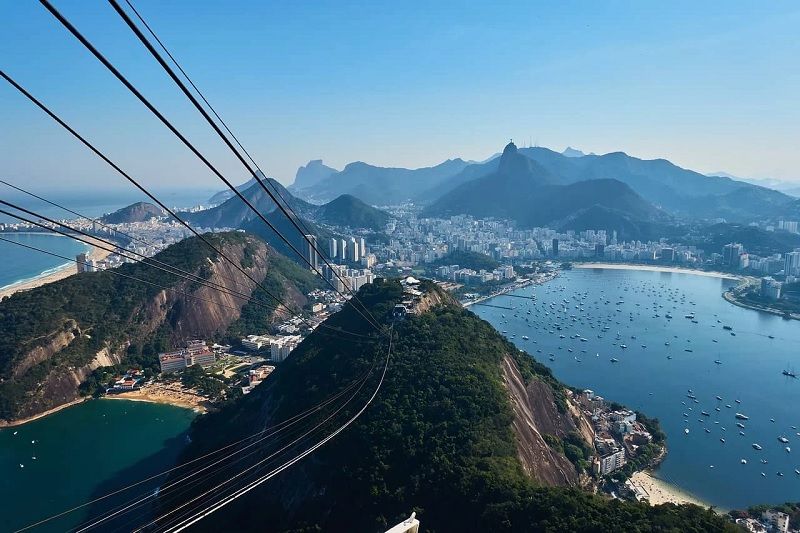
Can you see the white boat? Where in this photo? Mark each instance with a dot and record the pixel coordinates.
(686, 431)
(744, 461)
(788, 450)
(756, 446)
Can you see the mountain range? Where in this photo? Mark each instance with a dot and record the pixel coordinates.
(682, 193)
(344, 211)
(377, 185)
(521, 189)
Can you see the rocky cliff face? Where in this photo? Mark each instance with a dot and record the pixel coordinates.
(190, 310)
(535, 415)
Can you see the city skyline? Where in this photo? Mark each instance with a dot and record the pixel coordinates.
(709, 87)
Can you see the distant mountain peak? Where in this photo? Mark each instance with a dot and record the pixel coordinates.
(510, 149)
(572, 152)
(138, 212)
(311, 174)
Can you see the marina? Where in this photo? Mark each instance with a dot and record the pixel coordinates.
(605, 310)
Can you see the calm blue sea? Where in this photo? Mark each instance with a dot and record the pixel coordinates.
(84, 453)
(655, 371)
(20, 263)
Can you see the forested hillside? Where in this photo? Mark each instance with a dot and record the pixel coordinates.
(438, 439)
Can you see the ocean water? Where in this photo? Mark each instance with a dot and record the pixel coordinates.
(20, 263)
(83, 453)
(655, 371)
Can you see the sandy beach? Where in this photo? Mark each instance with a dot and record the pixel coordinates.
(662, 492)
(98, 254)
(655, 268)
(168, 393)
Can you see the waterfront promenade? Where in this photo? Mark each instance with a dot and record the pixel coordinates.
(538, 280)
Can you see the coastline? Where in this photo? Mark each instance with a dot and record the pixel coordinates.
(166, 394)
(7, 424)
(161, 394)
(65, 271)
(732, 299)
(520, 284)
(659, 491)
(656, 268)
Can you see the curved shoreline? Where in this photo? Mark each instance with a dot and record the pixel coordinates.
(14, 423)
(64, 271)
(198, 407)
(656, 268)
(731, 299)
(659, 491)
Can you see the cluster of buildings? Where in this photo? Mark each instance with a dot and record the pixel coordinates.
(770, 521)
(144, 238)
(350, 250)
(279, 346)
(288, 334)
(255, 376)
(467, 276)
(129, 381)
(617, 433)
(412, 296)
(344, 279)
(196, 352)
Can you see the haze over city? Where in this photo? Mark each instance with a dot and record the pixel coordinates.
(709, 86)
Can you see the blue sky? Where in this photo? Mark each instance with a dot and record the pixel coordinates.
(709, 85)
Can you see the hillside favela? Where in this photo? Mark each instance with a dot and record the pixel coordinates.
(404, 268)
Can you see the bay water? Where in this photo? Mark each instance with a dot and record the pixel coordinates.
(83, 453)
(665, 358)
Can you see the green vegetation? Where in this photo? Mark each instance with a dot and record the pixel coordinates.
(347, 210)
(99, 310)
(755, 240)
(256, 318)
(786, 305)
(197, 378)
(437, 440)
(474, 260)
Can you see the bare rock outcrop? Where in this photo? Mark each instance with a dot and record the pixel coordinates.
(536, 414)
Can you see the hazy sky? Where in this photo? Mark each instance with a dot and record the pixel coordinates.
(709, 85)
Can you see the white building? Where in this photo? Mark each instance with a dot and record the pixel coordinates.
(255, 342)
(611, 462)
(281, 347)
(779, 520)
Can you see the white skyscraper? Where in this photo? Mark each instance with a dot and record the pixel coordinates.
(332, 251)
(310, 252)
